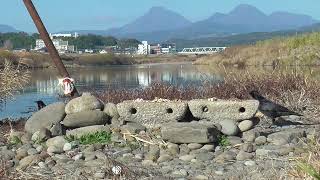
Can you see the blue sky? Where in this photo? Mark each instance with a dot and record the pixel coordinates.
(61, 15)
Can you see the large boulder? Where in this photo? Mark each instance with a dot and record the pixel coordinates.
(46, 117)
(218, 110)
(189, 133)
(85, 118)
(88, 130)
(86, 102)
(152, 114)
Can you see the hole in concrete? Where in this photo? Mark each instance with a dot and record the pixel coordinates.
(169, 110)
(133, 111)
(205, 109)
(242, 110)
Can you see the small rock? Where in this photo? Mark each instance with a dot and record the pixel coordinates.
(234, 140)
(21, 153)
(164, 158)
(184, 149)
(55, 145)
(42, 165)
(194, 146)
(225, 156)
(260, 140)
(245, 125)
(219, 171)
(247, 147)
(40, 136)
(187, 158)
(67, 147)
(111, 110)
(57, 130)
(26, 138)
(208, 147)
(180, 173)
(205, 156)
(229, 127)
(78, 157)
(173, 149)
(32, 151)
(285, 137)
(39, 148)
(28, 161)
(133, 128)
(154, 153)
(250, 136)
(244, 156)
(250, 163)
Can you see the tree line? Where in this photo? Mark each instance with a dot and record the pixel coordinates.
(24, 40)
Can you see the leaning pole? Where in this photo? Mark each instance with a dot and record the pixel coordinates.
(67, 82)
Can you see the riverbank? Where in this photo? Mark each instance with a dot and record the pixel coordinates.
(298, 50)
(41, 60)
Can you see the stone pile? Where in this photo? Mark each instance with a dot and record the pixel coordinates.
(199, 139)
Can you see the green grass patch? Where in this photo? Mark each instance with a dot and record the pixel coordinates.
(102, 137)
(223, 141)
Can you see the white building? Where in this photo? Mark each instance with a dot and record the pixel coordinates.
(57, 35)
(59, 44)
(144, 48)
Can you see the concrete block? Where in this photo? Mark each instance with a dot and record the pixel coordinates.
(152, 114)
(189, 133)
(216, 111)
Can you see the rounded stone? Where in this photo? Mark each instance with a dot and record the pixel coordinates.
(187, 157)
(208, 147)
(229, 127)
(260, 140)
(194, 146)
(245, 125)
(86, 102)
(164, 158)
(244, 156)
(67, 147)
(32, 151)
(180, 173)
(250, 163)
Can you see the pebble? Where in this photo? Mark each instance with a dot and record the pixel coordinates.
(250, 163)
(229, 127)
(78, 157)
(180, 173)
(187, 157)
(148, 163)
(260, 140)
(194, 146)
(32, 151)
(244, 156)
(208, 147)
(245, 125)
(201, 177)
(67, 147)
(42, 165)
(99, 175)
(164, 158)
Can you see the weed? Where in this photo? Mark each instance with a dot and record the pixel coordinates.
(102, 137)
(15, 140)
(223, 141)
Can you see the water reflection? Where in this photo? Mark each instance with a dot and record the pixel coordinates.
(44, 82)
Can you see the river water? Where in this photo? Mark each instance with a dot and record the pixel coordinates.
(44, 82)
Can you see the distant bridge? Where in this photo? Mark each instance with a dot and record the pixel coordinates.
(202, 50)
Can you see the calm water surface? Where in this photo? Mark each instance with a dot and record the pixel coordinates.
(44, 82)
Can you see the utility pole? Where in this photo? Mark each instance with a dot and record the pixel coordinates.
(49, 44)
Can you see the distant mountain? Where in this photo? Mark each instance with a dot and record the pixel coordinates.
(156, 19)
(160, 24)
(6, 29)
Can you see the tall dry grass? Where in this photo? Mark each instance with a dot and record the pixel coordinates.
(296, 50)
(12, 79)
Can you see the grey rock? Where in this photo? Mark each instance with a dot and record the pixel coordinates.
(55, 145)
(85, 118)
(46, 117)
(187, 158)
(164, 158)
(152, 114)
(234, 140)
(153, 154)
(111, 110)
(173, 149)
(216, 111)
(133, 128)
(244, 156)
(148, 163)
(201, 177)
(194, 146)
(225, 156)
(260, 140)
(188, 133)
(21, 153)
(245, 125)
(28, 161)
(247, 147)
(26, 138)
(57, 130)
(7, 155)
(78, 157)
(184, 149)
(229, 127)
(67, 147)
(32, 151)
(86, 102)
(88, 130)
(285, 137)
(42, 135)
(180, 173)
(250, 136)
(42, 165)
(250, 163)
(205, 156)
(208, 147)
(99, 175)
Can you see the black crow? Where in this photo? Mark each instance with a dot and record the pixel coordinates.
(271, 109)
(40, 104)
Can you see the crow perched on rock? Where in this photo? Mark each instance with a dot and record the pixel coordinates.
(40, 104)
(271, 109)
